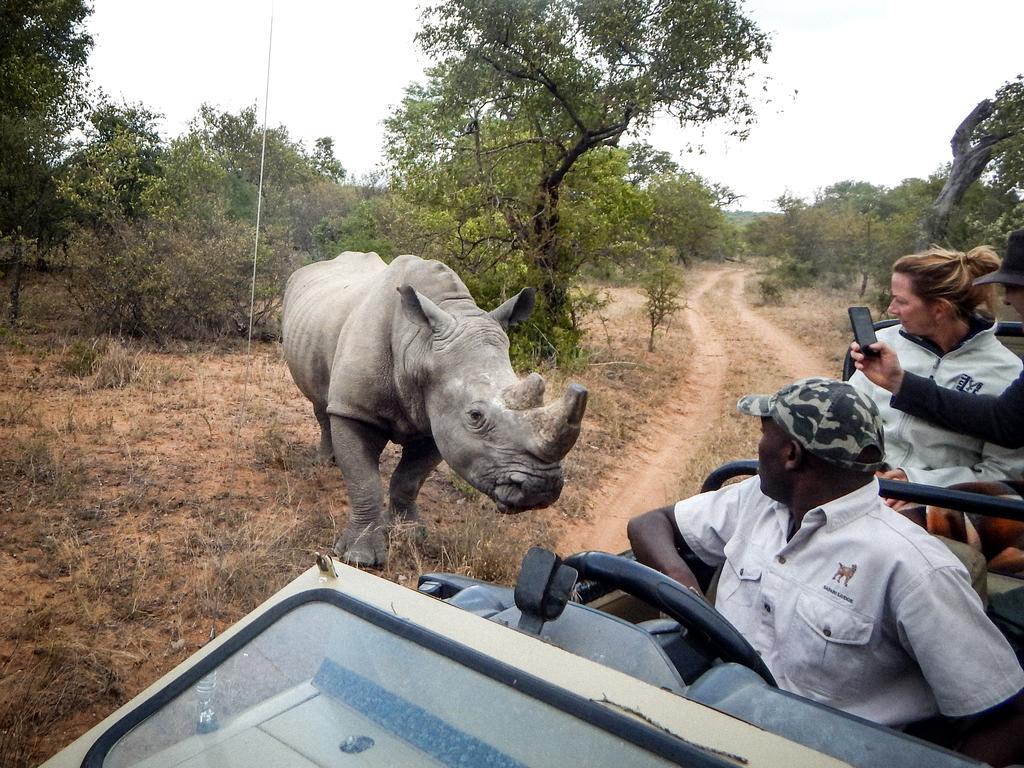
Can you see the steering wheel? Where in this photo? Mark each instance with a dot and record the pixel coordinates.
(672, 598)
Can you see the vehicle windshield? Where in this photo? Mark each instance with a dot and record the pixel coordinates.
(323, 687)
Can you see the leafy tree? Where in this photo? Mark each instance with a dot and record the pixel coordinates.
(526, 89)
(854, 215)
(853, 231)
(688, 218)
(861, 195)
(603, 216)
(115, 164)
(647, 163)
(827, 239)
(193, 184)
(236, 142)
(1008, 120)
(166, 246)
(43, 54)
(324, 161)
(300, 190)
(363, 227)
(312, 207)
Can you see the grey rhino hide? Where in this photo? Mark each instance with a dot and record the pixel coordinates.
(400, 352)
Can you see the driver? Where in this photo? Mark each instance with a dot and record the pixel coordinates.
(848, 602)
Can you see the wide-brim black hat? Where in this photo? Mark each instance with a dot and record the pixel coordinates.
(1012, 270)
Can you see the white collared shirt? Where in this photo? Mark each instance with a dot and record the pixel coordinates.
(861, 609)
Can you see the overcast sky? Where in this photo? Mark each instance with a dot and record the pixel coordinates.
(870, 90)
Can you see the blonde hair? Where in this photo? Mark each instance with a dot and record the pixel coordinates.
(938, 274)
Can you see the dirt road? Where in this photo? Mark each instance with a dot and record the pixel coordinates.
(734, 350)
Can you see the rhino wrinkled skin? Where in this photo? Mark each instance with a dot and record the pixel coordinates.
(400, 352)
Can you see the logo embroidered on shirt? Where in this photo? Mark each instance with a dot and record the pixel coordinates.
(844, 573)
(966, 384)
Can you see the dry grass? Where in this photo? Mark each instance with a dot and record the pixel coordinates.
(118, 367)
(815, 316)
(145, 498)
(148, 493)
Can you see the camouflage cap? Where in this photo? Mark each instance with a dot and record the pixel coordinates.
(829, 418)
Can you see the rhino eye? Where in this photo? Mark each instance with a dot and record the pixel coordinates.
(475, 417)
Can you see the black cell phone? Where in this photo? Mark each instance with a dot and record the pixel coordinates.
(863, 329)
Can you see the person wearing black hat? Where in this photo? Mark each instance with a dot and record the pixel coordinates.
(996, 419)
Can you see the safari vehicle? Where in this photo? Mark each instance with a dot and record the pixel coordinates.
(596, 661)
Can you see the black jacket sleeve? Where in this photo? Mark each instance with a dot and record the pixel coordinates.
(998, 420)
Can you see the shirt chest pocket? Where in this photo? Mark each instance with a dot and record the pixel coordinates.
(830, 649)
(740, 582)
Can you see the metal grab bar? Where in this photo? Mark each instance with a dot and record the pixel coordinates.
(964, 501)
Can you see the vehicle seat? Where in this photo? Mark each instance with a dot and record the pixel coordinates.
(581, 629)
(608, 640)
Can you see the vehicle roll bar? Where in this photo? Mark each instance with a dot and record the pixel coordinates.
(918, 493)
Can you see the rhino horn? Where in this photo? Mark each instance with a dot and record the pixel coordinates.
(525, 394)
(556, 426)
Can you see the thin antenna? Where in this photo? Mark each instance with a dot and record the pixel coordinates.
(259, 193)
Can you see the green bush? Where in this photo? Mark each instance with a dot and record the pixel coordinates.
(179, 280)
(770, 291)
(792, 272)
(554, 339)
(661, 283)
(359, 229)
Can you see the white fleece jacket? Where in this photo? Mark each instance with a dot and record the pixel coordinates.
(930, 454)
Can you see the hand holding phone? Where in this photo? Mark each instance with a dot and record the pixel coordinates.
(863, 329)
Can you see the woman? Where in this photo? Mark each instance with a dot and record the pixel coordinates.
(996, 418)
(943, 336)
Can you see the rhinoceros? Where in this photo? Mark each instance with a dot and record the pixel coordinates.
(400, 352)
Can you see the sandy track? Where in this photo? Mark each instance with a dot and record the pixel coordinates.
(729, 338)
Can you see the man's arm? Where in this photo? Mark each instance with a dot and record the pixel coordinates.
(998, 736)
(998, 420)
(656, 542)
(967, 662)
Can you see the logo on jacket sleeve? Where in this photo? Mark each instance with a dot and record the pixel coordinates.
(966, 384)
(844, 573)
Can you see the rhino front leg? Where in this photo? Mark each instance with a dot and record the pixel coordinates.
(418, 460)
(357, 449)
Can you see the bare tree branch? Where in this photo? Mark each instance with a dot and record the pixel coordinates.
(970, 156)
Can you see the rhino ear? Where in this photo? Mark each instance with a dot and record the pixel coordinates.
(422, 310)
(516, 309)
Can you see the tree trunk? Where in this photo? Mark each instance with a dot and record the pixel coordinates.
(546, 247)
(969, 161)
